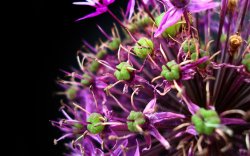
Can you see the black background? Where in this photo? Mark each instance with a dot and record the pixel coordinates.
(55, 38)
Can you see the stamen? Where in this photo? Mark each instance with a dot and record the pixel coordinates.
(156, 65)
(104, 33)
(119, 104)
(215, 54)
(80, 63)
(111, 86)
(109, 123)
(106, 64)
(132, 98)
(247, 141)
(90, 88)
(226, 147)
(185, 62)
(113, 137)
(181, 126)
(61, 138)
(233, 111)
(156, 78)
(80, 137)
(66, 115)
(77, 106)
(199, 143)
(221, 133)
(207, 93)
(163, 54)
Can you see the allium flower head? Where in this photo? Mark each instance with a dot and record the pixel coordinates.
(172, 79)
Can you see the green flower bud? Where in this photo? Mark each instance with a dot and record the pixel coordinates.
(86, 80)
(135, 119)
(223, 37)
(101, 54)
(71, 93)
(94, 66)
(199, 125)
(205, 121)
(171, 71)
(202, 54)
(143, 47)
(189, 46)
(172, 30)
(77, 128)
(114, 44)
(145, 21)
(132, 28)
(93, 120)
(123, 71)
(246, 62)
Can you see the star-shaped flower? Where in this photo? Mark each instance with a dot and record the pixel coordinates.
(177, 8)
(100, 7)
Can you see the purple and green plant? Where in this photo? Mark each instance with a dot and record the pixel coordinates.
(172, 78)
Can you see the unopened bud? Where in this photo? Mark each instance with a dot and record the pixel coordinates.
(235, 42)
(232, 4)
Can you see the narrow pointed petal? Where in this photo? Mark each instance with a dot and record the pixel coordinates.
(148, 141)
(85, 3)
(98, 12)
(168, 3)
(118, 150)
(150, 108)
(107, 2)
(130, 8)
(159, 137)
(137, 152)
(162, 116)
(233, 121)
(199, 6)
(170, 18)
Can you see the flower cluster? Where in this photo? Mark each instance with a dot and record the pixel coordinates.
(174, 81)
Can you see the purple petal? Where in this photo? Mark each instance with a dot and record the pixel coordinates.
(118, 150)
(191, 130)
(99, 11)
(97, 138)
(99, 152)
(168, 3)
(137, 152)
(191, 151)
(170, 18)
(100, 84)
(130, 8)
(232, 121)
(85, 3)
(107, 2)
(150, 108)
(193, 108)
(159, 137)
(195, 63)
(148, 141)
(198, 6)
(158, 117)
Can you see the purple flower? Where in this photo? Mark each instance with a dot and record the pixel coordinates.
(131, 7)
(178, 7)
(134, 94)
(100, 7)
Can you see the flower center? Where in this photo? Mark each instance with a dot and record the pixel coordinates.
(135, 119)
(94, 119)
(180, 3)
(205, 121)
